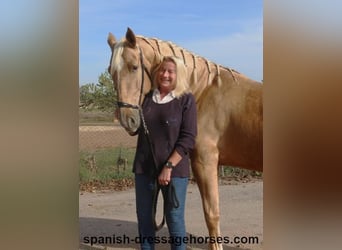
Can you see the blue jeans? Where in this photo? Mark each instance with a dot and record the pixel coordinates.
(144, 187)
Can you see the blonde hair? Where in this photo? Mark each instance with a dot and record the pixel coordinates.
(181, 85)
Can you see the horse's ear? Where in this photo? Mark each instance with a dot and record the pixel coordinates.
(111, 40)
(130, 37)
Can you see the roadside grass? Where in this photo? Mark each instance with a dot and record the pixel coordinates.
(101, 165)
(238, 172)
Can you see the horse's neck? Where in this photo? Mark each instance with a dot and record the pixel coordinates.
(151, 51)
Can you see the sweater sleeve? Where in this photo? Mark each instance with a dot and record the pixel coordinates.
(188, 129)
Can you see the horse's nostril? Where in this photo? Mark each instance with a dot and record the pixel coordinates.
(133, 122)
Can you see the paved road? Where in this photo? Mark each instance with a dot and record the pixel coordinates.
(113, 213)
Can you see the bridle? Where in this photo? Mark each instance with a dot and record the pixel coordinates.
(143, 70)
(138, 106)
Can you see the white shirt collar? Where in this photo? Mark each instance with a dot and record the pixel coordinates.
(168, 98)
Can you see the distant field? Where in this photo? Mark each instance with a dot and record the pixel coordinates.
(95, 117)
(96, 137)
(98, 129)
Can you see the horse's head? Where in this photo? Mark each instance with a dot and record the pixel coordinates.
(131, 79)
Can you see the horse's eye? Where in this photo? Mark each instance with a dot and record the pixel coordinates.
(134, 68)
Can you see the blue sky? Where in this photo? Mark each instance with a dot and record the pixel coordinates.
(224, 31)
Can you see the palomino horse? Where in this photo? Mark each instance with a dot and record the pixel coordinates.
(229, 106)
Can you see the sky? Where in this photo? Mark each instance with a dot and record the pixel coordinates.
(227, 32)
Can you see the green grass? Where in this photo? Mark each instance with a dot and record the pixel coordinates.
(100, 165)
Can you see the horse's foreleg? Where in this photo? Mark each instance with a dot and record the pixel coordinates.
(204, 166)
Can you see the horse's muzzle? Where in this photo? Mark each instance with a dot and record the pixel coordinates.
(129, 119)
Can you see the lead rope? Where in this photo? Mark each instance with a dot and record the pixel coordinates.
(156, 185)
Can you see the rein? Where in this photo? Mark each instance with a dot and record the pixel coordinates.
(171, 192)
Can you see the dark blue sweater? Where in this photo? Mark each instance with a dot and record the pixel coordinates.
(172, 126)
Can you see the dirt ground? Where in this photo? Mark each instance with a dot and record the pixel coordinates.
(108, 213)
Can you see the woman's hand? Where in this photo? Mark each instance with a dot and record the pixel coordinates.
(164, 177)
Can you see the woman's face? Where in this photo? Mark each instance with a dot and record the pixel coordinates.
(167, 76)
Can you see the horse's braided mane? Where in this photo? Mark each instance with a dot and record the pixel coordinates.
(195, 57)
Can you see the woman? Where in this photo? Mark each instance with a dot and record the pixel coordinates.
(169, 112)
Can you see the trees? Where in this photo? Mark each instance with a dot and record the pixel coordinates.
(100, 96)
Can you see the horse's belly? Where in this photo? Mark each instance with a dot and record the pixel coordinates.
(242, 154)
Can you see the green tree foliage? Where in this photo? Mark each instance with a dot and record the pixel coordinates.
(100, 96)
(87, 97)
